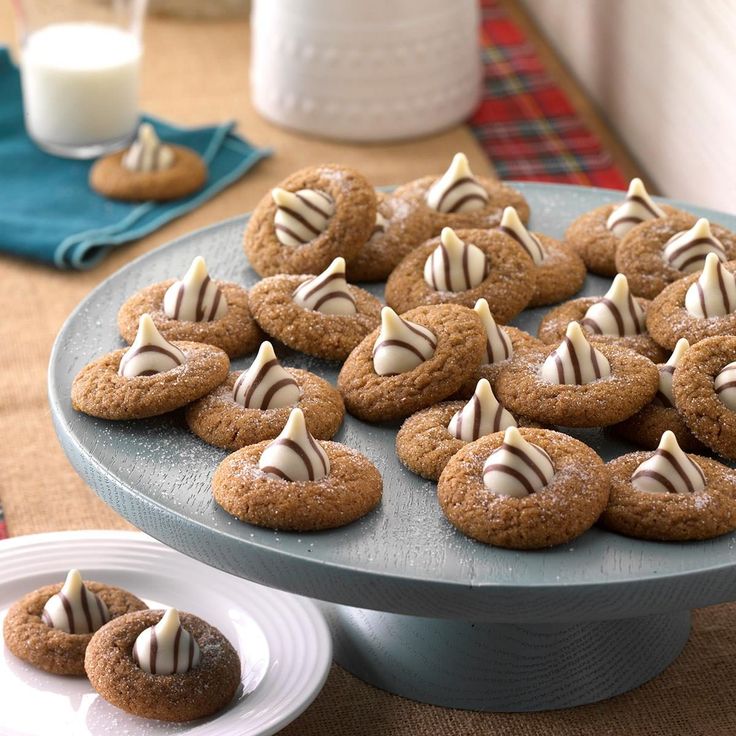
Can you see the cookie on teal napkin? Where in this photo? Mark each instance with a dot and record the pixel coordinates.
(48, 211)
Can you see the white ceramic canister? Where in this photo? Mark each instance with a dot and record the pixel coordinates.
(365, 70)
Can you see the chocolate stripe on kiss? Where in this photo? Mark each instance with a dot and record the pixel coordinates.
(398, 344)
(661, 397)
(465, 198)
(501, 468)
(299, 452)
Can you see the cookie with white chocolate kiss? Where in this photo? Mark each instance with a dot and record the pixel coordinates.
(615, 318)
(460, 267)
(695, 307)
(319, 315)
(165, 665)
(254, 405)
(412, 361)
(151, 377)
(296, 482)
(576, 384)
(524, 488)
(309, 219)
(669, 495)
(195, 308)
(659, 252)
(461, 199)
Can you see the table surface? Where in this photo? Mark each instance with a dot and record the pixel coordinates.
(198, 73)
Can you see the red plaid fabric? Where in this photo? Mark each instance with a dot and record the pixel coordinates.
(525, 122)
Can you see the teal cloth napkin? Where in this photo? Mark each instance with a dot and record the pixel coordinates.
(48, 211)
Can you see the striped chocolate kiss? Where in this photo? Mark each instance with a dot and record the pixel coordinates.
(617, 313)
(482, 415)
(150, 353)
(401, 345)
(166, 648)
(664, 396)
(327, 293)
(575, 361)
(725, 385)
(457, 190)
(498, 343)
(295, 455)
(518, 467)
(714, 293)
(147, 153)
(636, 208)
(455, 265)
(686, 251)
(266, 385)
(512, 226)
(668, 470)
(301, 216)
(196, 298)
(75, 609)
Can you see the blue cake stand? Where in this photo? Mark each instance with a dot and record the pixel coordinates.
(415, 607)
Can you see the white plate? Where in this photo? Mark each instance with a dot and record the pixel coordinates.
(283, 641)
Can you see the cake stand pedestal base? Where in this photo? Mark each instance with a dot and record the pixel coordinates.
(504, 667)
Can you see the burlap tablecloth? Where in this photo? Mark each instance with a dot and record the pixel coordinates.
(197, 73)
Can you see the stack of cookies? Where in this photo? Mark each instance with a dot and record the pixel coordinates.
(483, 404)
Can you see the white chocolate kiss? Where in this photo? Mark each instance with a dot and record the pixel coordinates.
(401, 345)
(380, 227)
(167, 647)
(196, 298)
(517, 468)
(636, 208)
(575, 361)
(301, 216)
(147, 153)
(498, 343)
(295, 455)
(266, 385)
(457, 190)
(725, 385)
(75, 609)
(617, 313)
(327, 293)
(714, 293)
(664, 396)
(482, 415)
(512, 225)
(686, 251)
(455, 265)
(668, 470)
(150, 353)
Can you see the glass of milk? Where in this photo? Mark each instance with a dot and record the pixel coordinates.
(80, 67)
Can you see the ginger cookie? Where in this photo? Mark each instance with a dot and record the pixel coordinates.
(318, 315)
(149, 378)
(400, 225)
(669, 495)
(196, 309)
(311, 218)
(596, 235)
(296, 483)
(429, 438)
(661, 251)
(695, 307)
(51, 627)
(576, 384)
(165, 665)
(617, 318)
(411, 361)
(560, 272)
(459, 199)
(648, 425)
(524, 488)
(502, 343)
(462, 267)
(254, 405)
(704, 385)
(149, 170)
